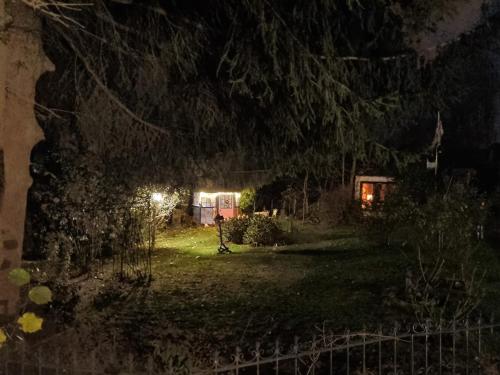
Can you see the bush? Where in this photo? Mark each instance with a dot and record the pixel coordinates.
(234, 229)
(334, 204)
(262, 231)
(247, 200)
(439, 233)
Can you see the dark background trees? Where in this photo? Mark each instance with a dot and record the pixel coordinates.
(313, 91)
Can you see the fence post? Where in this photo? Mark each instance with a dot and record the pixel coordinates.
(313, 356)
(93, 362)
(427, 322)
(454, 339)
(412, 355)
(364, 350)
(330, 344)
(296, 352)
(150, 365)
(58, 360)
(277, 355)
(395, 365)
(440, 345)
(23, 356)
(216, 362)
(6, 360)
(467, 346)
(348, 337)
(257, 356)
(130, 363)
(39, 360)
(380, 334)
(74, 360)
(237, 357)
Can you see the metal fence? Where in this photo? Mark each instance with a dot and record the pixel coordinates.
(445, 348)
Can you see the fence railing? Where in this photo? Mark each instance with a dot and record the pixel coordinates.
(445, 348)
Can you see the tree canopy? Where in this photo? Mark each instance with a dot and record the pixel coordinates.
(295, 87)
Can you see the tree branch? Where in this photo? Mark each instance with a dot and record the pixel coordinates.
(109, 93)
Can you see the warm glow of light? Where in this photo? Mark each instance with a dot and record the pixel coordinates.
(369, 197)
(212, 195)
(157, 197)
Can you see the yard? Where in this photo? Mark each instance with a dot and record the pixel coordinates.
(336, 277)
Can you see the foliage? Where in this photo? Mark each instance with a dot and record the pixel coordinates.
(262, 230)
(439, 233)
(335, 206)
(19, 277)
(28, 322)
(152, 206)
(40, 295)
(256, 230)
(3, 337)
(339, 59)
(247, 200)
(85, 213)
(161, 199)
(234, 229)
(442, 227)
(78, 208)
(435, 295)
(65, 299)
(421, 16)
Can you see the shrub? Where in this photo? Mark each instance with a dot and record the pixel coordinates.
(247, 200)
(262, 231)
(439, 233)
(333, 204)
(234, 229)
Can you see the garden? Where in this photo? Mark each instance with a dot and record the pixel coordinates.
(228, 176)
(323, 278)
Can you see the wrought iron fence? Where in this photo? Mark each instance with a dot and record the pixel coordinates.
(444, 348)
(455, 348)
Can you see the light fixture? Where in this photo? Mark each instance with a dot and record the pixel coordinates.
(369, 197)
(157, 197)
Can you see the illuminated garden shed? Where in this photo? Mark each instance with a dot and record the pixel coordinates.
(222, 196)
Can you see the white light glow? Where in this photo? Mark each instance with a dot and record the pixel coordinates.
(369, 197)
(157, 197)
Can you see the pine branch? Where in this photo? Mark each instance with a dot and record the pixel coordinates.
(108, 92)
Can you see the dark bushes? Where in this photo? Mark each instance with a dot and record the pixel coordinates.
(256, 230)
(234, 229)
(262, 231)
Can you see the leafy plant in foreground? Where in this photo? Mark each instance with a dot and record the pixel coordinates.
(28, 322)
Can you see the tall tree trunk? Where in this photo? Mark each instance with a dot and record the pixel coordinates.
(22, 61)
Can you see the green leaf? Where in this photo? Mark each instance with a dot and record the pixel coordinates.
(19, 277)
(40, 295)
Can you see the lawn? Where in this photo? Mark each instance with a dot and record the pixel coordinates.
(253, 294)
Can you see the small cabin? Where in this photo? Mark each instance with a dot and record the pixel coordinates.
(371, 191)
(206, 205)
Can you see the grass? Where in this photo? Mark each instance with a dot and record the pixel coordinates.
(333, 276)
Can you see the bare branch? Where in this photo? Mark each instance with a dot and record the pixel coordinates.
(55, 10)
